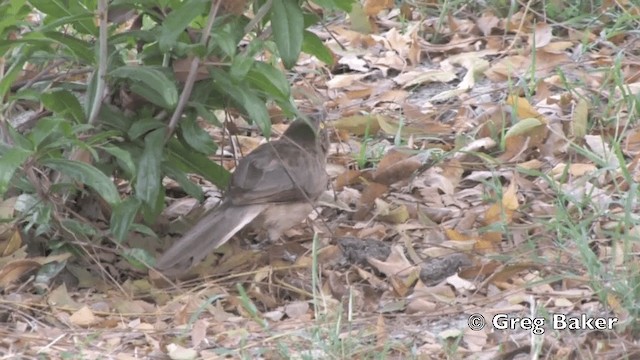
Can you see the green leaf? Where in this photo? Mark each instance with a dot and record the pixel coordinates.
(9, 162)
(522, 127)
(11, 74)
(63, 102)
(197, 138)
(122, 156)
(188, 161)
(50, 129)
(181, 178)
(143, 229)
(287, 22)
(226, 41)
(19, 139)
(359, 19)
(123, 216)
(133, 36)
(148, 182)
(13, 13)
(204, 113)
(240, 66)
(143, 126)
(150, 213)
(150, 83)
(314, 46)
(177, 21)
(86, 174)
(344, 5)
(59, 9)
(77, 227)
(270, 80)
(83, 20)
(244, 97)
(80, 49)
(113, 118)
(139, 258)
(274, 84)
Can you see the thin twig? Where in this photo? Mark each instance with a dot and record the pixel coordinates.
(259, 15)
(46, 77)
(42, 73)
(191, 77)
(102, 61)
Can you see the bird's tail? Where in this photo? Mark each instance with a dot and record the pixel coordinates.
(213, 230)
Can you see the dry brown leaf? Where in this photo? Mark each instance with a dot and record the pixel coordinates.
(390, 127)
(373, 7)
(7, 209)
(452, 170)
(480, 270)
(421, 76)
(12, 245)
(616, 305)
(422, 306)
(558, 47)
(488, 243)
(456, 43)
(392, 156)
(507, 206)
(542, 35)
(382, 337)
(391, 96)
(368, 198)
(397, 170)
(487, 22)
(414, 54)
(398, 215)
(456, 236)
(199, 332)
(526, 134)
(84, 317)
(297, 309)
(347, 178)
(476, 340)
(182, 66)
(235, 7)
(363, 92)
(573, 169)
(177, 352)
(370, 278)
(358, 124)
(602, 149)
(508, 68)
(355, 63)
(522, 107)
(14, 270)
(492, 120)
(400, 287)
(247, 143)
(507, 272)
(533, 164)
(59, 297)
(396, 264)
(344, 80)
(440, 293)
(632, 142)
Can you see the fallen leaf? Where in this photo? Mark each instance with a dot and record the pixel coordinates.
(396, 264)
(84, 317)
(579, 119)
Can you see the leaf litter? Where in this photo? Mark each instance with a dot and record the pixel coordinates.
(451, 160)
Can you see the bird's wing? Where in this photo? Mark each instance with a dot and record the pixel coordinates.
(280, 172)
